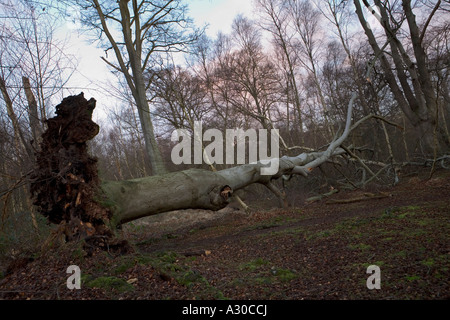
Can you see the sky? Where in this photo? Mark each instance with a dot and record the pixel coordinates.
(93, 74)
(218, 14)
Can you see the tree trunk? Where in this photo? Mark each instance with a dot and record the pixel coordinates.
(35, 125)
(135, 81)
(418, 102)
(151, 145)
(19, 138)
(66, 188)
(134, 50)
(192, 189)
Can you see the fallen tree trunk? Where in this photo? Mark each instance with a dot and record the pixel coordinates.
(202, 189)
(66, 189)
(366, 196)
(191, 189)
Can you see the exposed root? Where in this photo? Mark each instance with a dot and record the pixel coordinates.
(65, 181)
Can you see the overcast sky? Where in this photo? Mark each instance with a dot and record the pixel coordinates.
(93, 74)
(219, 14)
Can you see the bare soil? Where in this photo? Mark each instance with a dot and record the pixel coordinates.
(315, 251)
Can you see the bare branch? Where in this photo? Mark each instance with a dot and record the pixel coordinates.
(436, 7)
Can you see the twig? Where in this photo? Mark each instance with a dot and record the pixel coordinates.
(6, 194)
(280, 194)
(371, 115)
(321, 196)
(358, 159)
(376, 174)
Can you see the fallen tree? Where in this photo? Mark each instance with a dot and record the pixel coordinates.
(66, 188)
(203, 189)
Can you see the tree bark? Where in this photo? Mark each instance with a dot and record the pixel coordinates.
(135, 81)
(33, 116)
(195, 188)
(19, 137)
(418, 102)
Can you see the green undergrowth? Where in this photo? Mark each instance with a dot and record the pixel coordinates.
(390, 221)
(176, 266)
(108, 283)
(259, 271)
(167, 264)
(404, 241)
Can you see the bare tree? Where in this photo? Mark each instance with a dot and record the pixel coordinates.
(251, 75)
(340, 15)
(306, 21)
(180, 98)
(436, 43)
(275, 19)
(137, 32)
(411, 82)
(33, 70)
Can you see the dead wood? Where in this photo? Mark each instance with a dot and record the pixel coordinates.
(366, 196)
(321, 196)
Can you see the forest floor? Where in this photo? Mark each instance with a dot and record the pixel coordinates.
(316, 251)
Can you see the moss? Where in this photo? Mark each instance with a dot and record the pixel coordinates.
(320, 235)
(237, 282)
(253, 264)
(170, 236)
(412, 278)
(121, 268)
(428, 262)
(425, 222)
(168, 256)
(110, 283)
(174, 265)
(78, 254)
(190, 277)
(85, 279)
(105, 202)
(263, 280)
(260, 274)
(401, 254)
(144, 259)
(148, 241)
(285, 275)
